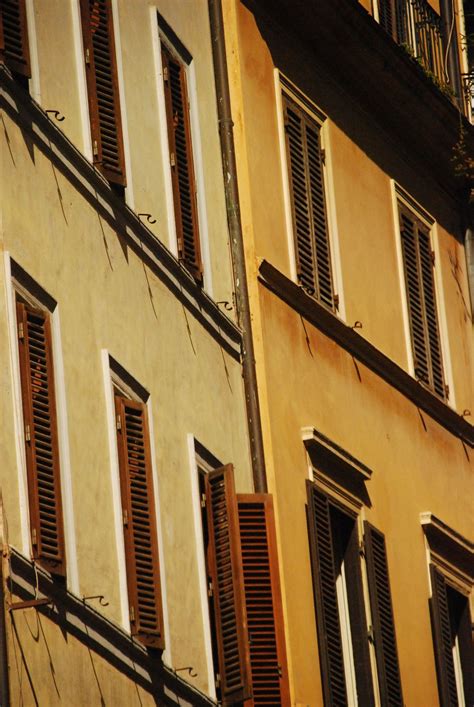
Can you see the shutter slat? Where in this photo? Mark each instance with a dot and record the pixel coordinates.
(382, 617)
(182, 172)
(140, 534)
(263, 600)
(102, 87)
(42, 452)
(225, 567)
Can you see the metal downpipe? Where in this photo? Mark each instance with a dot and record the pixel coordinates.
(236, 243)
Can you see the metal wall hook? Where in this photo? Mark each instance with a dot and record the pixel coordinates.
(148, 217)
(357, 325)
(227, 305)
(190, 670)
(56, 114)
(466, 413)
(100, 597)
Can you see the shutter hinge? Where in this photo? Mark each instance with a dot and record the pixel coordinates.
(446, 390)
(132, 613)
(210, 590)
(125, 516)
(362, 548)
(336, 300)
(119, 422)
(27, 433)
(370, 634)
(165, 73)
(34, 539)
(21, 334)
(95, 149)
(433, 257)
(280, 672)
(322, 154)
(203, 500)
(88, 56)
(172, 159)
(218, 680)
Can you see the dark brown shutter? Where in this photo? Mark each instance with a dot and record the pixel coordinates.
(325, 597)
(308, 203)
(41, 437)
(263, 600)
(14, 49)
(418, 265)
(382, 617)
(139, 522)
(102, 88)
(181, 158)
(443, 640)
(225, 565)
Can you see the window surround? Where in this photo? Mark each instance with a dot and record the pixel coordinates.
(18, 281)
(400, 196)
(284, 86)
(117, 376)
(163, 34)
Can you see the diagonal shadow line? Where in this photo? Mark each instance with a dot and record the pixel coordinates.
(27, 670)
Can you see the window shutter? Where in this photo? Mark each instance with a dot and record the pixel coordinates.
(325, 597)
(181, 157)
(139, 522)
(14, 49)
(382, 617)
(102, 88)
(263, 600)
(443, 639)
(418, 265)
(225, 564)
(41, 437)
(308, 203)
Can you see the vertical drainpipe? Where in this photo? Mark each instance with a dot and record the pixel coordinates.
(4, 686)
(236, 243)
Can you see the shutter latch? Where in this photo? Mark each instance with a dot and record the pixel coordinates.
(203, 500)
(27, 433)
(125, 517)
(322, 154)
(336, 300)
(34, 540)
(88, 57)
(21, 334)
(95, 148)
(132, 613)
(433, 257)
(218, 680)
(210, 590)
(370, 634)
(119, 422)
(172, 159)
(446, 390)
(165, 73)
(362, 548)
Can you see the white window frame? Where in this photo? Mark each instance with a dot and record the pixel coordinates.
(113, 379)
(14, 286)
(283, 85)
(400, 196)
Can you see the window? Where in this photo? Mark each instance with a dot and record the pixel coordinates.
(139, 522)
(181, 157)
(305, 160)
(245, 612)
(14, 49)
(352, 597)
(102, 89)
(418, 262)
(41, 436)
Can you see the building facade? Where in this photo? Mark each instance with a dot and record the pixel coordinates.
(236, 353)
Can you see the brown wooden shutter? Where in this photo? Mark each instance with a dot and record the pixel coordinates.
(308, 203)
(102, 88)
(181, 158)
(14, 49)
(41, 437)
(263, 600)
(139, 522)
(225, 565)
(325, 597)
(418, 265)
(443, 640)
(382, 617)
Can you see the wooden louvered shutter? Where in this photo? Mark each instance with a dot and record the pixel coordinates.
(181, 159)
(139, 522)
(225, 566)
(443, 640)
(325, 597)
(308, 203)
(14, 49)
(418, 265)
(263, 600)
(41, 437)
(102, 88)
(382, 618)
